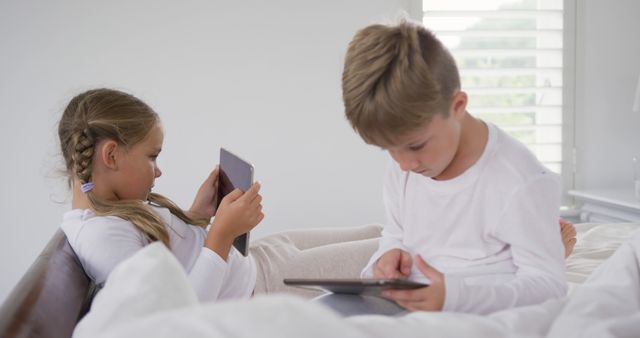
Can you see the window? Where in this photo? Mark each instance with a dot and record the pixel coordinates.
(510, 56)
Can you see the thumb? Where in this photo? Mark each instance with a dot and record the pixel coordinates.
(232, 196)
(427, 270)
(252, 192)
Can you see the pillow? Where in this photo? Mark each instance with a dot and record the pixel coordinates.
(150, 281)
(149, 295)
(596, 242)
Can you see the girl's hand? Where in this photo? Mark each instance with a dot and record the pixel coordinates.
(204, 204)
(430, 298)
(238, 213)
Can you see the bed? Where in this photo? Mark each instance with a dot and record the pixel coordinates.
(55, 294)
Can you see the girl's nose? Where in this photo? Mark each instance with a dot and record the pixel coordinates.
(158, 172)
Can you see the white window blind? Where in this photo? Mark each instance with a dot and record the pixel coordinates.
(509, 54)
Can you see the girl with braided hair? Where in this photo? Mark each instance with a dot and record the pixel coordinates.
(110, 141)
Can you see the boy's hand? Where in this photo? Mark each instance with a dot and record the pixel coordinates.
(204, 204)
(430, 298)
(395, 263)
(568, 232)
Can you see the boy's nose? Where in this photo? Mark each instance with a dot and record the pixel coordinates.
(158, 172)
(407, 163)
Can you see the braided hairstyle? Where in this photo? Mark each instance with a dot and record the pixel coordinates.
(100, 114)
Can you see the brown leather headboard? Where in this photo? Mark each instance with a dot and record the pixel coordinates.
(51, 297)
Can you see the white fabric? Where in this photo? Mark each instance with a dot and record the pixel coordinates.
(493, 231)
(149, 296)
(151, 281)
(101, 242)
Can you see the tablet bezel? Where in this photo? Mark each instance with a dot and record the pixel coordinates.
(235, 172)
(354, 286)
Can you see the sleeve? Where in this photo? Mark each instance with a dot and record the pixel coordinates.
(101, 246)
(208, 275)
(213, 278)
(392, 234)
(529, 225)
(240, 280)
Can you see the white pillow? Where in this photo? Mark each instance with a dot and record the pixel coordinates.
(150, 281)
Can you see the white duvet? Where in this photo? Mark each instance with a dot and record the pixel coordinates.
(149, 296)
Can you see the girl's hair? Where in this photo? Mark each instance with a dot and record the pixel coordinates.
(101, 114)
(395, 79)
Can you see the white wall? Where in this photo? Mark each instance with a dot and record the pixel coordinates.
(259, 77)
(607, 69)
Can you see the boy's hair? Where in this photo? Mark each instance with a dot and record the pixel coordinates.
(395, 79)
(101, 114)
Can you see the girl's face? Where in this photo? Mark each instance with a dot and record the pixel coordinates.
(137, 167)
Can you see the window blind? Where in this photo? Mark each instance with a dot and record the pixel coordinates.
(510, 56)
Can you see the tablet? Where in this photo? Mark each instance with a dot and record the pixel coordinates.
(354, 286)
(235, 173)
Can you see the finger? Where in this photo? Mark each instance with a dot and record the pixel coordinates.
(428, 270)
(409, 306)
(250, 194)
(377, 272)
(405, 263)
(256, 201)
(390, 268)
(213, 175)
(253, 213)
(568, 231)
(233, 196)
(405, 295)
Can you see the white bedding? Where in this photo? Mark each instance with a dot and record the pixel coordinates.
(149, 295)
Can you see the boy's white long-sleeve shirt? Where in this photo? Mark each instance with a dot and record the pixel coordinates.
(101, 242)
(493, 231)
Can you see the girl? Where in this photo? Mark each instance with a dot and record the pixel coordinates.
(110, 141)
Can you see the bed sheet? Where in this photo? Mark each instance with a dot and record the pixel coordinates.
(149, 295)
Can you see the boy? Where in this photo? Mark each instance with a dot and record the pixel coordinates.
(470, 210)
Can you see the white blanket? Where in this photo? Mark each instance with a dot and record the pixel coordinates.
(149, 295)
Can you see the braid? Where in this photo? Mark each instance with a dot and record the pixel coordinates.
(83, 155)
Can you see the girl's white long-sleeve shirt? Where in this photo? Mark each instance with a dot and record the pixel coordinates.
(493, 231)
(101, 242)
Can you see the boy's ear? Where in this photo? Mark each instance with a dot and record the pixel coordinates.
(459, 104)
(108, 154)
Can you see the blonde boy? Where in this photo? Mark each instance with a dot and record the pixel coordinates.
(469, 208)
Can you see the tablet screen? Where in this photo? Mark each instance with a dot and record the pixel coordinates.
(235, 173)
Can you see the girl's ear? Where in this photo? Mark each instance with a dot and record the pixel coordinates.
(108, 153)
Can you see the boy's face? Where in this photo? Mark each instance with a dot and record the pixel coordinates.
(430, 150)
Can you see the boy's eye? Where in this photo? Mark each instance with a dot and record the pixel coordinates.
(418, 147)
